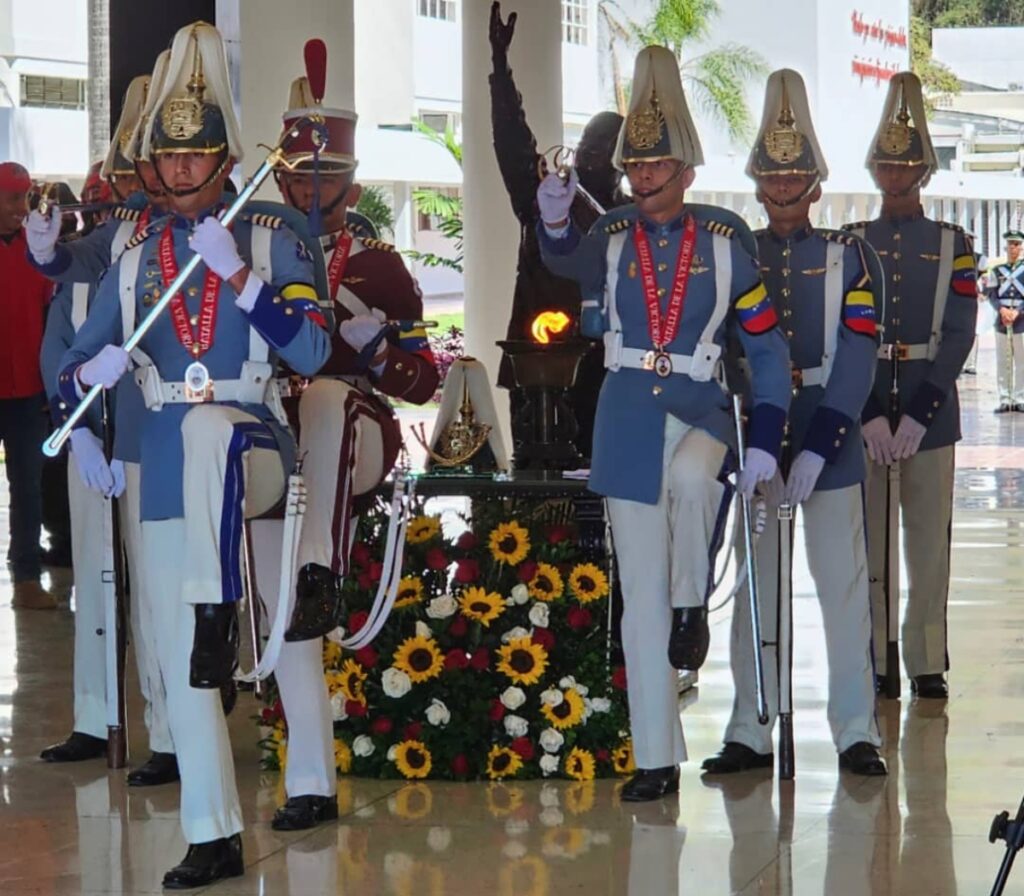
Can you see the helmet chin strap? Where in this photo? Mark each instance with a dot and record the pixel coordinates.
(325, 210)
(915, 185)
(765, 198)
(648, 194)
(191, 191)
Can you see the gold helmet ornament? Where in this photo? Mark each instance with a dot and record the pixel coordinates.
(118, 161)
(786, 142)
(902, 136)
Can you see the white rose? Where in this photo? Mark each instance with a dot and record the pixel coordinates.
(392, 752)
(552, 697)
(398, 864)
(338, 707)
(438, 714)
(514, 850)
(520, 594)
(439, 839)
(552, 818)
(601, 838)
(423, 630)
(516, 726)
(442, 607)
(363, 745)
(513, 698)
(588, 709)
(395, 682)
(549, 764)
(514, 827)
(367, 811)
(540, 615)
(549, 795)
(551, 740)
(567, 682)
(513, 633)
(601, 704)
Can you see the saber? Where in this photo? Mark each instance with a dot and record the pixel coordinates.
(47, 205)
(892, 546)
(52, 446)
(563, 159)
(784, 648)
(751, 565)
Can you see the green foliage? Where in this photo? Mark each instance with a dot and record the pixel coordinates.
(374, 205)
(968, 13)
(935, 77)
(447, 209)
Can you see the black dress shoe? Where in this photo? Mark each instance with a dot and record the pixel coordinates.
(736, 757)
(651, 784)
(1004, 408)
(206, 863)
(214, 646)
(317, 604)
(930, 687)
(862, 759)
(689, 639)
(160, 768)
(77, 748)
(228, 696)
(301, 812)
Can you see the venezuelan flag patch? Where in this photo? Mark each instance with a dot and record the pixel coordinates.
(965, 276)
(755, 311)
(859, 312)
(416, 343)
(302, 297)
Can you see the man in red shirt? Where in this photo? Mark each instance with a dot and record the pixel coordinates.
(24, 293)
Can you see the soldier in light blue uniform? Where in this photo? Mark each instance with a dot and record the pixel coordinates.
(825, 286)
(664, 285)
(214, 449)
(1004, 289)
(927, 333)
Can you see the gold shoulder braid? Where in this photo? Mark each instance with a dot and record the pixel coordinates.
(618, 226)
(644, 126)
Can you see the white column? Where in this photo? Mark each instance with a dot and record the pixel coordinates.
(994, 236)
(265, 40)
(405, 215)
(491, 232)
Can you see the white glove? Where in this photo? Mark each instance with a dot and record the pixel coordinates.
(554, 198)
(91, 463)
(41, 234)
(803, 476)
(106, 368)
(213, 242)
(878, 440)
(759, 466)
(361, 330)
(117, 471)
(908, 438)
(774, 490)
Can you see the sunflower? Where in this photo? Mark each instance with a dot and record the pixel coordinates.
(622, 758)
(580, 797)
(419, 658)
(565, 842)
(568, 713)
(483, 606)
(342, 756)
(522, 661)
(412, 758)
(587, 582)
(282, 754)
(503, 763)
(410, 591)
(502, 800)
(413, 801)
(352, 676)
(580, 764)
(528, 876)
(332, 654)
(422, 528)
(547, 584)
(509, 543)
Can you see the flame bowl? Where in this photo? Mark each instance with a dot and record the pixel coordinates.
(553, 365)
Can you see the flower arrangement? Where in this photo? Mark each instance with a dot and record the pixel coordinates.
(447, 347)
(495, 663)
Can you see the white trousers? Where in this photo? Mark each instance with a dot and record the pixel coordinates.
(300, 680)
(209, 797)
(1011, 385)
(926, 504)
(664, 554)
(88, 548)
(143, 629)
(833, 524)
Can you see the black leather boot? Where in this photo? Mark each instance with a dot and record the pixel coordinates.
(206, 863)
(215, 646)
(317, 604)
(931, 686)
(736, 757)
(160, 768)
(77, 748)
(689, 639)
(862, 759)
(302, 812)
(651, 784)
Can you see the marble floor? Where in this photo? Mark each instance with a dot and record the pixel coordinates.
(920, 832)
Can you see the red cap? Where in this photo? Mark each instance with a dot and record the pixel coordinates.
(14, 178)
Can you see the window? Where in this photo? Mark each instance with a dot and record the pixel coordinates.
(438, 9)
(574, 22)
(438, 121)
(44, 91)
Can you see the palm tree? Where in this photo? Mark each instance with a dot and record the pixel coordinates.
(715, 79)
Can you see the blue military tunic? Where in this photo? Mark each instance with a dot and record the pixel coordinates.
(634, 403)
(1005, 289)
(917, 272)
(286, 315)
(825, 416)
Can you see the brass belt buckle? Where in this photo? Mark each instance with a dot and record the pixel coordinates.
(797, 378)
(199, 396)
(902, 352)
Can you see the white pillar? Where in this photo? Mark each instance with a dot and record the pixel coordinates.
(265, 40)
(994, 236)
(491, 233)
(405, 215)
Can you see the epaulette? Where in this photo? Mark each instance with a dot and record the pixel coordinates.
(372, 243)
(720, 229)
(139, 238)
(618, 226)
(948, 225)
(856, 225)
(122, 213)
(837, 236)
(271, 222)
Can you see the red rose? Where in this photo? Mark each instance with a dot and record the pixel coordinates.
(459, 626)
(360, 555)
(367, 656)
(497, 711)
(355, 708)
(460, 766)
(412, 731)
(456, 659)
(267, 716)
(467, 541)
(381, 725)
(523, 746)
(467, 571)
(602, 755)
(436, 559)
(527, 570)
(543, 636)
(480, 660)
(376, 571)
(558, 533)
(579, 617)
(364, 581)
(356, 621)
(619, 678)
